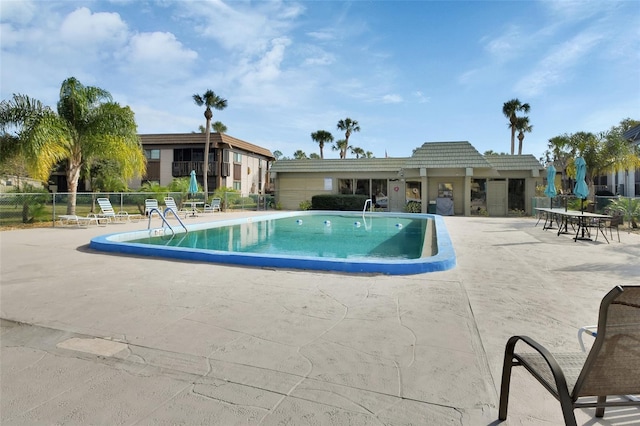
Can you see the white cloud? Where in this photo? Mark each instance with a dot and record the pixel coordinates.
(83, 28)
(391, 99)
(506, 45)
(158, 48)
(20, 12)
(240, 27)
(556, 67)
(421, 97)
(317, 56)
(323, 35)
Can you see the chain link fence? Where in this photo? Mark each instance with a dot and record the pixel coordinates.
(42, 207)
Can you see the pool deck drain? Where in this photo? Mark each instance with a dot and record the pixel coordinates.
(214, 344)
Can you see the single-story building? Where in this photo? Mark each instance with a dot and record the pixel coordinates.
(444, 177)
(233, 163)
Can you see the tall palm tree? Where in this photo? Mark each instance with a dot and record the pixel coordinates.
(522, 126)
(209, 100)
(348, 126)
(343, 146)
(218, 127)
(321, 137)
(510, 109)
(88, 126)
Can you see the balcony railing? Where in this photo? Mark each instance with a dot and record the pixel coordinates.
(183, 168)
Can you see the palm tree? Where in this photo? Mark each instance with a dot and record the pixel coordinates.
(348, 126)
(209, 100)
(299, 155)
(321, 137)
(522, 126)
(343, 146)
(357, 151)
(510, 109)
(218, 127)
(88, 126)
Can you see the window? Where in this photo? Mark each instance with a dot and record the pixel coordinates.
(152, 154)
(237, 157)
(345, 185)
(237, 185)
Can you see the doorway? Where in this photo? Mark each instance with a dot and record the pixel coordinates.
(497, 198)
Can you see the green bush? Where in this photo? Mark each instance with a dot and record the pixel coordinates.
(305, 205)
(629, 208)
(342, 202)
(413, 207)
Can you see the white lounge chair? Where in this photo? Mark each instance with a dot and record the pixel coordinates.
(214, 206)
(170, 203)
(72, 219)
(149, 205)
(109, 213)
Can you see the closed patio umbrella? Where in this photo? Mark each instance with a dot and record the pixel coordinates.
(581, 189)
(550, 190)
(193, 184)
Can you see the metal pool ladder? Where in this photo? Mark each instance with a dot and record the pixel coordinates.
(164, 219)
(364, 209)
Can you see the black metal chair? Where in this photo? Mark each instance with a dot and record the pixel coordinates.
(609, 369)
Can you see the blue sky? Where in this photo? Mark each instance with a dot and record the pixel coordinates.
(408, 72)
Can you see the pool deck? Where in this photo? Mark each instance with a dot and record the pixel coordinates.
(96, 338)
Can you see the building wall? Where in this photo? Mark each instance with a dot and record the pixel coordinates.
(293, 188)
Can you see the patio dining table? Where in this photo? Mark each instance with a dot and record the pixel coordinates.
(585, 220)
(194, 206)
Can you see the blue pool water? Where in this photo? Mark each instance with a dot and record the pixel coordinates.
(397, 244)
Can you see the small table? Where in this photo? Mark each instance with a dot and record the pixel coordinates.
(194, 206)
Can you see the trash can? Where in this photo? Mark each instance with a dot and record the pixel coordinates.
(431, 207)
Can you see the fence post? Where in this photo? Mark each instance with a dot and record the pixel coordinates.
(53, 208)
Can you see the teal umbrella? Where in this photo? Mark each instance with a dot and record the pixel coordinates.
(581, 189)
(193, 183)
(550, 190)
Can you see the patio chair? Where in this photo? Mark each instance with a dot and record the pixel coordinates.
(609, 369)
(214, 206)
(110, 214)
(611, 224)
(170, 204)
(149, 205)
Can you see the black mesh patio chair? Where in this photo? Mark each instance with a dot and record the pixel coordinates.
(609, 369)
(611, 224)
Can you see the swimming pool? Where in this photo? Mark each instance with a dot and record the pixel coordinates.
(395, 244)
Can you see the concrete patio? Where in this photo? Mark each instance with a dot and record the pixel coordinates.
(95, 338)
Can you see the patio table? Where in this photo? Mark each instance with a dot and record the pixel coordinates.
(584, 219)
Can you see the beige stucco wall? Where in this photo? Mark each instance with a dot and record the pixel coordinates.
(293, 188)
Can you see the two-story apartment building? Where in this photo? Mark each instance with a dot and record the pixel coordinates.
(233, 163)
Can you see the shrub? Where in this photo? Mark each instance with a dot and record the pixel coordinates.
(342, 202)
(413, 207)
(305, 205)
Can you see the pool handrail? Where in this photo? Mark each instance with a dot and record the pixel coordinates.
(175, 214)
(164, 219)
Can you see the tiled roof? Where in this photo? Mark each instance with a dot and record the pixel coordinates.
(445, 155)
(431, 155)
(340, 165)
(216, 140)
(633, 134)
(514, 162)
